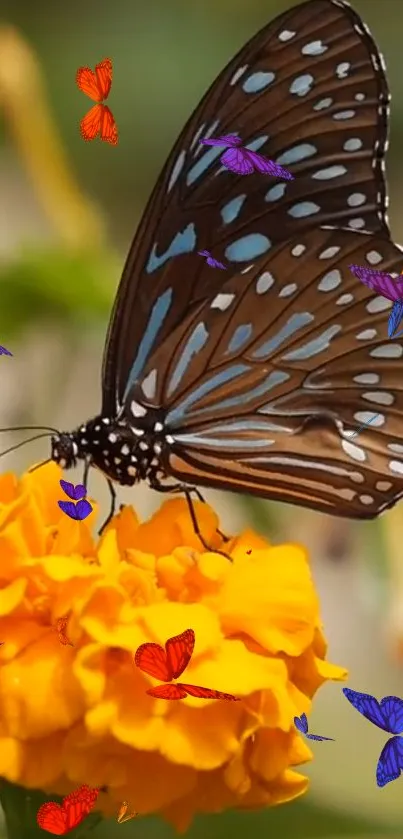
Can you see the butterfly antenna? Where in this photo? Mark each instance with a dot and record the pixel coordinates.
(31, 428)
(24, 443)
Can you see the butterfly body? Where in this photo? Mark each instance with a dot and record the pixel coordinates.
(126, 454)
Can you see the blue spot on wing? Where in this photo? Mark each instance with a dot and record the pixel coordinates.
(247, 248)
(258, 81)
(294, 323)
(203, 163)
(231, 210)
(184, 242)
(158, 314)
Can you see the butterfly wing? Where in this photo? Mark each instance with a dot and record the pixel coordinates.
(341, 140)
(90, 124)
(395, 318)
(236, 161)
(390, 763)
(87, 82)
(301, 723)
(4, 351)
(207, 693)
(51, 817)
(83, 509)
(109, 129)
(123, 816)
(69, 508)
(228, 140)
(78, 804)
(368, 706)
(379, 281)
(318, 737)
(179, 650)
(152, 659)
(69, 489)
(260, 383)
(268, 167)
(171, 691)
(103, 72)
(392, 711)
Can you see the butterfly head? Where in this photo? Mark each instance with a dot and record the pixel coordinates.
(65, 450)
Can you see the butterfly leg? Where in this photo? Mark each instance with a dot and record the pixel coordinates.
(200, 497)
(113, 506)
(187, 491)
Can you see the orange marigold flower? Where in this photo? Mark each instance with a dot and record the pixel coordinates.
(80, 714)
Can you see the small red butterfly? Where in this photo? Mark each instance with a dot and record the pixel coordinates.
(169, 664)
(59, 819)
(123, 816)
(99, 119)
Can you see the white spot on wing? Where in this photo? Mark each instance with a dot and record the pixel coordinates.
(356, 452)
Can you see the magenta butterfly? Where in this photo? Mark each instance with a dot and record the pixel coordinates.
(243, 160)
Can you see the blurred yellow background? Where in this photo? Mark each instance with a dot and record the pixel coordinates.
(68, 211)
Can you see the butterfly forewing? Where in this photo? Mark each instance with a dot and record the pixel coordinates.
(152, 659)
(315, 67)
(261, 383)
(179, 651)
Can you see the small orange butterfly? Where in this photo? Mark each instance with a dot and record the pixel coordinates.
(169, 664)
(99, 119)
(60, 628)
(123, 816)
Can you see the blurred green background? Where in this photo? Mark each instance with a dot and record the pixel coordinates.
(68, 211)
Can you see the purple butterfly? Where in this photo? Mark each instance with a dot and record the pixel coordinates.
(243, 161)
(77, 511)
(3, 351)
(214, 263)
(301, 723)
(385, 285)
(75, 492)
(388, 715)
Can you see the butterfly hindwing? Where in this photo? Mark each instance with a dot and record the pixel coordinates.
(207, 693)
(335, 90)
(390, 763)
(171, 691)
(279, 428)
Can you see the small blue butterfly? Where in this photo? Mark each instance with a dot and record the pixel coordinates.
(388, 715)
(4, 351)
(301, 723)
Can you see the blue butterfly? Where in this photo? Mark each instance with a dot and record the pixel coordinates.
(388, 715)
(301, 723)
